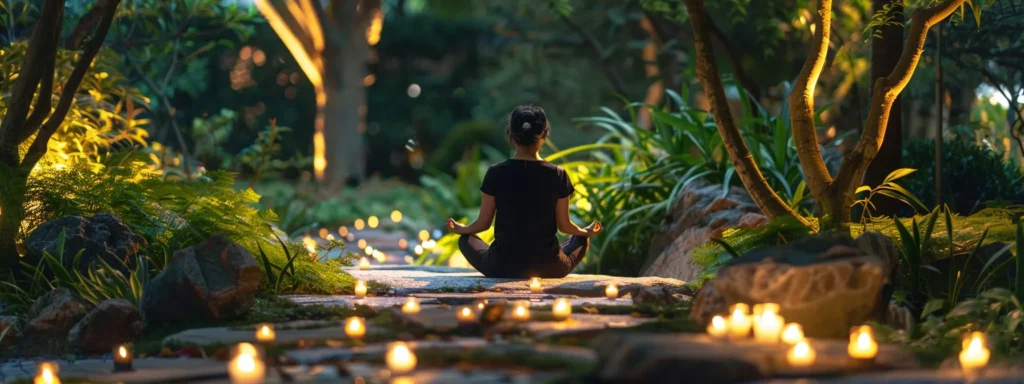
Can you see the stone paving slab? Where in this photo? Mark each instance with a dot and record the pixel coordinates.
(350, 301)
(581, 323)
(535, 299)
(284, 333)
(319, 355)
(992, 375)
(406, 280)
(146, 370)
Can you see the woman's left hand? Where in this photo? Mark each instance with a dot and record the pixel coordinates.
(455, 227)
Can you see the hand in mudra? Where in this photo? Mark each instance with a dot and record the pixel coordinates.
(594, 228)
(454, 226)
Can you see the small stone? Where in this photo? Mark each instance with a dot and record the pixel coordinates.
(101, 237)
(111, 323)
(55, 313)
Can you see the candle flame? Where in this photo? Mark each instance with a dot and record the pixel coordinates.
(47, 375)
(801, 349)
(245, 363)
(520, 311)
(718, 322)
(122, 351)
(864, 340)
(975, 345)
(466, 312)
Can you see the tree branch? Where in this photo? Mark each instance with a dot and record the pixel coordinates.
(801, 108)
(885, 91)
(70, 89)
(602, 59)
(41, 46)
(707, 71)
(88, 23)
(44, 97)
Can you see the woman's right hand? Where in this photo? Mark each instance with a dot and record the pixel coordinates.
(594, 228)
(454, 226)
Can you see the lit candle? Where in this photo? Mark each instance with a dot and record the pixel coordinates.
(521, 311)
(535, 285)
(768, 327)
(975, 354)
(801, 355)
(561, 309)
(122, 359)
(765, 307)
(411, 305)
(246, 367)
(360, 289)
(400, 358)
(46, 373)
(862, 346)
(372, 222)
(466, 316)
(265, 333)
(364, 263)
(793, 333)
(611, 291)
(739, 321)
(717, 328)
(355, 327)
(480, 305)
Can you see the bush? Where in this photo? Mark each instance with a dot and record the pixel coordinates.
(972, 176)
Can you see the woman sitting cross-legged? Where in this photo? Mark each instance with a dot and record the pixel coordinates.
(531, 197)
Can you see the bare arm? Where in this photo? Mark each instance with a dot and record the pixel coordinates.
(483, 220)
(565, 224)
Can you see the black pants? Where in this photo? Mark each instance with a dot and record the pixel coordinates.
(479, 255)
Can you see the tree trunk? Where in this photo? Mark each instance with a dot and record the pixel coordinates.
(885, 53)
(11, 214)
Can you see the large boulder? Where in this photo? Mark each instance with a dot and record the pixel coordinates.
(111, 323)
(56, 312)
(214, 280)
(700, 213)
(827, 283)
(101, 237)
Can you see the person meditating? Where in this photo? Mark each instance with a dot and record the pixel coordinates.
(531, 197)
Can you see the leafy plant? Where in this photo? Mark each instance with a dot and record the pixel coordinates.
(888, 188)
(973, 176)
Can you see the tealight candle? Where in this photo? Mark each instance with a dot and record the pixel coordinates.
(364, 263)
(411, 305)
(793, 333)
(768, 327)
(122, 359)
(480, 305)
(46, 373)
(355, 327)
(561, 309)
(717, 328)
(246, 367)
(466, 316)
(265, 333)
(862, 346)
(761, 308)
(400, 358)
(535, 285)
(801, 355)
(360, 289)
(975, 354)
(611, 291)
(739, 321)
(521, 311)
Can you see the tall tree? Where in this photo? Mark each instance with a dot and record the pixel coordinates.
(34, 124)
(886, 46)
(834, 196)
(332, 45)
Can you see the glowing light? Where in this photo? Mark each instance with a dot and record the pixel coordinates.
(396, 216)
(413, 90)
(429, 244)
(373, 221)
(418, 250)
(975, 354)
(369, 80)
(792, 334)
(364, 263)
(343, 231)
(360, 290)
(369, 250)
(561, 309)
(424, 235)
(122, 359)
(403, 244)
(521, 311)
(411, 305)
(862, 346)
(466, 316)
(535, 286)
(801, 355)
(718, 327)
(768, 325)
(611, 291)
(361, 244)
(265, 333)
(245, 368)
(376, 25)
(739, 322)
(359, 224)
(323, 233)
(319, 159)
(310, 244)
(355, 327)
(400, 358)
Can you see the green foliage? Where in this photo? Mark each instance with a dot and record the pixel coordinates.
(889, 188)
(733, 242)
(972, 175)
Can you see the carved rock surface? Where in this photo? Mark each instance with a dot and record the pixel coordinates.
(55, 313)
(699, 214)
(214, 280)
(101, 237)
(111, 323)
(826, 283)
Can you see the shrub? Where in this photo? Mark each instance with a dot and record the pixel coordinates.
(972, 176)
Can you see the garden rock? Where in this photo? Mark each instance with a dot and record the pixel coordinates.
(215, 280)
(660, 296)
(10, 331)
(56, 312)
(111, 323)
(101, 237)
(700, 214)
(826, 283)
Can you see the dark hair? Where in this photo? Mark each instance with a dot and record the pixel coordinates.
(528, 124)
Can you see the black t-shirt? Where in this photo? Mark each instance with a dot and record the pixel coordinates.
(526, 193)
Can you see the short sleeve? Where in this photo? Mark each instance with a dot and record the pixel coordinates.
(565, 187)
(490, 184)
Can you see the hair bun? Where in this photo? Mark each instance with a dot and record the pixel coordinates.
(526, 126)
